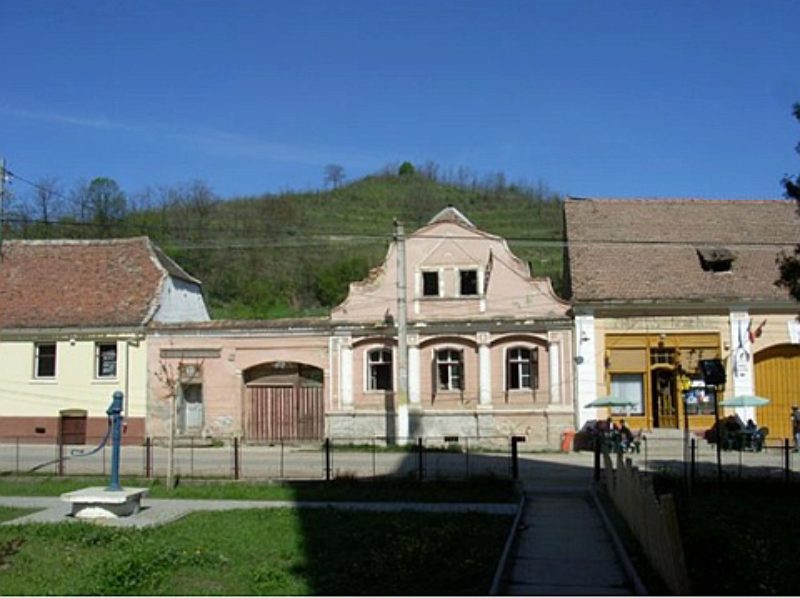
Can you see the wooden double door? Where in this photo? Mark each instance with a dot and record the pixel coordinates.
(277, 413)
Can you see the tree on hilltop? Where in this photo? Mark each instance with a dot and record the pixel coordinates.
(334, 175)
(790, 264)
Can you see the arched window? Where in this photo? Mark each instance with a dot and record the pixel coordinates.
(522, 368)
(449, 369)
(379, 370)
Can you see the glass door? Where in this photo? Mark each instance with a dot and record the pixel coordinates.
(665, 399)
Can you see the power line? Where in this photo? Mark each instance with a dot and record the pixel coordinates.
(320, 238)
(317, 239)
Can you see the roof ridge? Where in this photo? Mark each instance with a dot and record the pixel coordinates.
(680, 199)
(114, 241)
(451, 214)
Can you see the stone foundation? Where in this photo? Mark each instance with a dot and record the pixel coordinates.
(542, 429)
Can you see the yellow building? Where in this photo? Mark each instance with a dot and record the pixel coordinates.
(658, 286)
(72, 331)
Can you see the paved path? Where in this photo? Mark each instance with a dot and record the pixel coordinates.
(563, 546)
(160, 511)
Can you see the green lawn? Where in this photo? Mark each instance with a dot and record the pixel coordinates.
(740, 538)
(8, 513)
(284, 551)
(475, 490)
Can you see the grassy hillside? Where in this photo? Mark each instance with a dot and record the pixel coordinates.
(294, 254)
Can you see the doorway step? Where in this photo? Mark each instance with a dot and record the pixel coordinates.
(669, 442)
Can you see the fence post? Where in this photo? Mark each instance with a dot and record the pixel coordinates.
(17, 459)
(281, 471)
(644, 440)
(191, 456)
(467, 456)
(235, 457)
(327, 459)
(597, 442)
(693, 457)
(60, 455)
(374, 471)
(786, 469)
(148, 458)
(514, 459)
(420, 474)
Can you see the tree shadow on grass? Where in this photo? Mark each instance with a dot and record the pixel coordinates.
(403, 552)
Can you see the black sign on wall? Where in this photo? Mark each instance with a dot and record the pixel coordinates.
(713, 371)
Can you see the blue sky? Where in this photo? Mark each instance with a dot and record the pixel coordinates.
(608, 99)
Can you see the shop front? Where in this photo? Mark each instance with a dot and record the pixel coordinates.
(660, 373)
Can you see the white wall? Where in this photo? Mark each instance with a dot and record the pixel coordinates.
(181, 301)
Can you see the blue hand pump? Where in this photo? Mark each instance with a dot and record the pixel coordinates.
(114, 413)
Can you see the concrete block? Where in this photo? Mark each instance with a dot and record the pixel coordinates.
(98, 503)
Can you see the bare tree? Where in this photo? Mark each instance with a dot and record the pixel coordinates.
(430, 170)
(47, 199)
(173, 377)
(334, 175)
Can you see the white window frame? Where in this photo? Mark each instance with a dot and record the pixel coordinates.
(368, 363)
(450, 364)
(533, 362)
(614, 388)
(36, 361)
(97, 363)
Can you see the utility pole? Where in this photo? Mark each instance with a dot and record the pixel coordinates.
(401, 397)
(2, 198)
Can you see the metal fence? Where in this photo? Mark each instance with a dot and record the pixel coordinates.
(363, 458)
(696, 458)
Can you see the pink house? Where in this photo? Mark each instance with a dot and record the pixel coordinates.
(489, 355)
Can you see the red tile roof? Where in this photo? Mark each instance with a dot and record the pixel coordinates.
(67, 283)
(648, 249)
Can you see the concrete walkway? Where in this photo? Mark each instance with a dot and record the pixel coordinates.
(563, 546)
(158, 511)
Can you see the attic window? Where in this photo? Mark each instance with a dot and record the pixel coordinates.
(430, 284)
(716, 259)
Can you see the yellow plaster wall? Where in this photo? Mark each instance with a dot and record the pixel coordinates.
(74, 385)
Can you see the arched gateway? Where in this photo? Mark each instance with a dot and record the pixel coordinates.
(284, 402)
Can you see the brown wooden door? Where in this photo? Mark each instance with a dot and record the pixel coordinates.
(289, 413)
(665, 400)
(72, 426)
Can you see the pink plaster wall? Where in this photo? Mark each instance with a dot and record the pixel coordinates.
(222, 377)
(511, 292)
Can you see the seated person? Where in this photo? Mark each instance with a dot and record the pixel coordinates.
(730, 429)
(624, 430)
(628, 441)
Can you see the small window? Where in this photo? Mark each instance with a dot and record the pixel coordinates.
(450, 370)
(105, 360)
(662, 356)
(430, 284)
(380, 370)
(45, 360)
(469, 282)
(522, 371)
(628, 386)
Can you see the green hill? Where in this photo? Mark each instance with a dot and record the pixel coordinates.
(294, 254)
